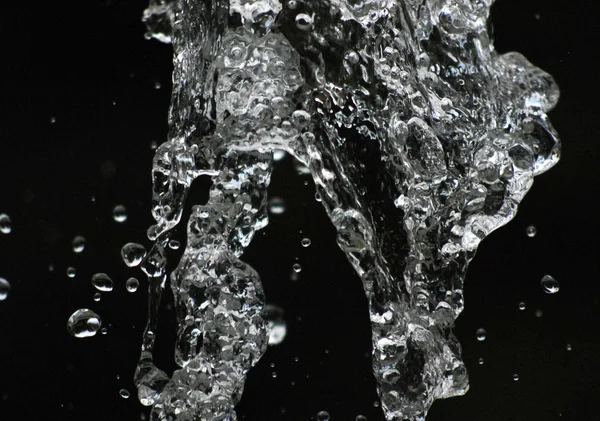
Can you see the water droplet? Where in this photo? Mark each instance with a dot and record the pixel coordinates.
(480, 361)
(323, 416)
(303, 22)
(352, 57)
(102, 282)
(318, 197)
(132, 285)
(119, 213)
(481, 334)
(133, 254)
(516, 377)
(83, 323)
(539, 313)
(104, 331)
(78, 243)
(296, 267)
(5, 224)
(276, 206)
(97, 296)
(157, 85)
(361, 418)
(522, 306)
(306, 242)
(278, 155)
(153, 145)
(50, 268)
(276, 326)
(569, 347)
(550, 285)
(174, 244)
(531, 231)
(376, 404)
(71, 272)
(274, 374)
(124, 393)
(52, 120)
(4, 288)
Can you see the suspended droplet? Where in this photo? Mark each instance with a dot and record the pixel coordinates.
(276, 326)
(481, 334)
(124, 393)
(480, 361)
(569, 347)
(274, 374)
(516, 377)
(361, 418)
(376, 404)
(5, 224)
(305, 242)
(174, 244)
(71, 272)
(102, 282)
(303, 22)
(539, 313)
(97, 296)
(133, 254)
(276, 206)
(104, 331)
(78, 243)
(296, 267)
(522, 306)
(278, 155)
(83, 323)
(531, 231)
(4, 289)
(157, 85)
(323, 416)
(120, 213)
(550, 285)
(132, 285)
(318, 197)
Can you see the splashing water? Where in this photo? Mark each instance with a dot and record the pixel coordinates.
(421, 140)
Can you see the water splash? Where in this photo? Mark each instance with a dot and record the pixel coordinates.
(421, 140)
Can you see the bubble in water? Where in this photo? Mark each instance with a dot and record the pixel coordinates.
(78, 243)
(83, 323)
(550, 285)
(97, 296)
(323, 416)
(5, 224)
(516, 377)
(102, 282)
(124, 393)
(119, 213)
(133, 254)
(361, 418)
(132, 285)
(276, 326)
(522, 306)
(296, 267)
(4, 288)
(276, 206)
(305, 242)
(71, 272)
(481, 334)
(303, 22)
(531, 231)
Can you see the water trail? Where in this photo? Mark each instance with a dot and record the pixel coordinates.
(421, 140)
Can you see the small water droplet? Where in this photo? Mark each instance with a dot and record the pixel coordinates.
(174, 244)
(132, 285)
(303, 22)
(153, 145)
(4, 289)
(133, 254)
(531, 231)
(481, 334)
(376, 404)
(306, 242)
(78, 243)
(480, 361)
(522, 306)
(104, 331)
(5, 224)
(278, 155)
(296, 267)
(274, 374)
(102, 282)
(276, 206)
(50, 268)
(83, 323)
(292, 4)
(323, 416)
(124, 393)
(119, 213)
(276, 326)
(516, 377)
(71, 272)
(361, 418)
(97, 296)
(539, 313)
(550, 285)
(157, 85)
(569, 347)
(318, 197)
(352, 57)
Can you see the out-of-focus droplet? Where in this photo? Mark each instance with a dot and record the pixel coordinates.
(119, 213)
(361, 418)
(5, 224)
(276, 206)
(132, 284)
(569, 347)
(550, 285)
(52, 120)
(480, 361)
(78, 243)
(481, 334)
(323, 416)
(318, 197)
(133, 254)
(276, 326)
(83, 323)
(531, 231)
(522, 306)
(4, 289)
(516, 377)
(97, 296)
(274, 374)
(102, 282)
(124, 393)
(305, 242)
(157, 85)
(153, 145)
(71, 272)
(538, 313)
(296, 267)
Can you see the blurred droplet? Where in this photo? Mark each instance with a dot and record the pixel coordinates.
(124, 393)
(323, 416)
(276, 206)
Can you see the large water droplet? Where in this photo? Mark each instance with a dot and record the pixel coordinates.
(481, 334)
(276, 326)
(83, 323)
(133, 254)
(4, 288)
(132, 285)
(78, 243)
(120, 213)
(102, 282)
(323, 416)
(550, 285)
(5, 224)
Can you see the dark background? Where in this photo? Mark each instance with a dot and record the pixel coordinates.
(87, 64)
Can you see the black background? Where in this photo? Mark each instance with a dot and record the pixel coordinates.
(86, 64)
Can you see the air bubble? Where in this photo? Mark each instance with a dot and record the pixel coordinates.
(102, 282)
(133, 254)
(4, 289)
(5, 224)
(132, 285)
(71, 272)
(480, 361)
(481, 334)
(550, 285)
(119, 213)
(83, 323)
(78, 243)
(569, 347)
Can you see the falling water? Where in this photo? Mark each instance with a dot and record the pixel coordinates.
(421, 140)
